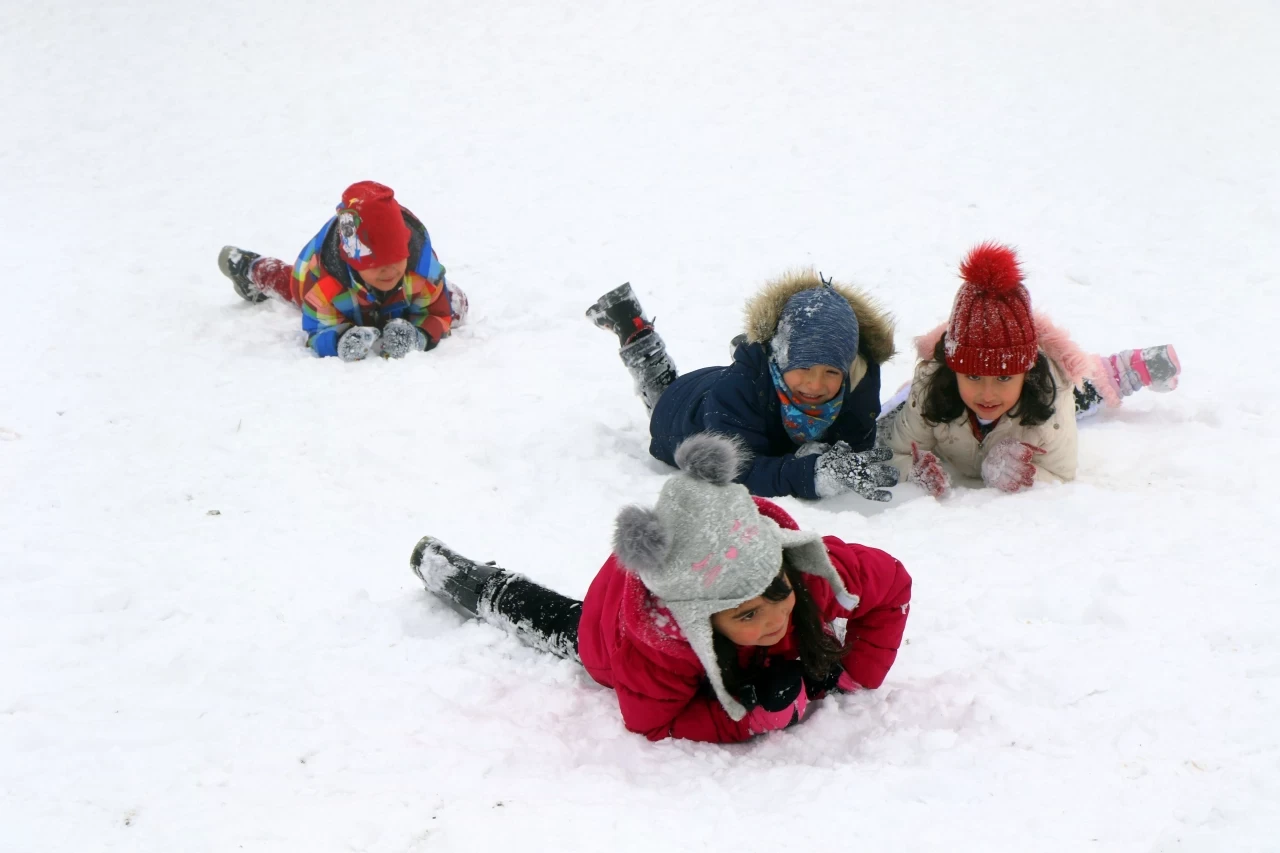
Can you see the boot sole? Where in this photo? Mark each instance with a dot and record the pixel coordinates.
(224, 261)
(419, 551)
(596, 313)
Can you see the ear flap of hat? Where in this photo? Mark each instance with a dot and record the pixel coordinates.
(694, 619)
(700, 635)
(639, 539)
(808, 553)
(712, 457)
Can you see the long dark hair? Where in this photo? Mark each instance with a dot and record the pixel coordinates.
(819, 649)
(941, 403)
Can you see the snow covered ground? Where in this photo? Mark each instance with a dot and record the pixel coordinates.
(209, 636)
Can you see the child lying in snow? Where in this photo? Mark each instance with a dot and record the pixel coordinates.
(998, 389)
(711, 619)
(369, 282)
(803, 392)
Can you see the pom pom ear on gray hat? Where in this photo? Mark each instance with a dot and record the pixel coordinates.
(639, 539)
(712, 457)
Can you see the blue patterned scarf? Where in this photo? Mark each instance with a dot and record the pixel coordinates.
(804, 422)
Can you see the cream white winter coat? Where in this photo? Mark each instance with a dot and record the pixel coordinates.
(955, 443)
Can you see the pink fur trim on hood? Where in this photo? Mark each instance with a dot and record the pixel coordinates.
(1055, 343)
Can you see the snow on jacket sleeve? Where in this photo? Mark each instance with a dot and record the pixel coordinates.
(671, 701)
(883, 588)
(729, 409)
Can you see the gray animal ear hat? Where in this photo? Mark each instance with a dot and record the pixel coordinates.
(705, 547)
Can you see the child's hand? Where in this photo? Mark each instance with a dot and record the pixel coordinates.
(928, 472)
(841, 470)
(774, 687)
(356, 342)
(835, 679)
(776, 698)
(400, 337)
(1008, 466)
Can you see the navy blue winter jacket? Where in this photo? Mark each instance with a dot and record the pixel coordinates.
(740, 400)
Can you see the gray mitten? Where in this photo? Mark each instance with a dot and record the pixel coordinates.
(356, 342)
(400, 337)
(841, 470)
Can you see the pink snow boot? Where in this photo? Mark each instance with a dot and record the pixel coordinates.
(1156, 368)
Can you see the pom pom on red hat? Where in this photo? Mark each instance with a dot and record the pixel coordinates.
(371, 227)
(991, 331)
(991, 268)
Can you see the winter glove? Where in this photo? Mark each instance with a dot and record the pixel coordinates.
(400, 337)
(357, 342)
(841, 470)
(928, 472)
(815, 687)
(774, 687)
(1008, 466)
(776, 697)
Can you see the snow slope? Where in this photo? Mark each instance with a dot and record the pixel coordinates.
(211, 639)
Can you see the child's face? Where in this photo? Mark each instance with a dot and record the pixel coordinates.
(814, 385)
(386, 277)
(989, 397)
(758, 622)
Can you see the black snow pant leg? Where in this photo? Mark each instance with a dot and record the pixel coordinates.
(652, 369)
(541, 618)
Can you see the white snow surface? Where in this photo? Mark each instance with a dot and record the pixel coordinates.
(211, 639)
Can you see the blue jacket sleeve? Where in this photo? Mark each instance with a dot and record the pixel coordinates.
(324, 339)
(729, 409)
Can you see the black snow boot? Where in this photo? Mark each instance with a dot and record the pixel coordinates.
(619, 311)
(643, 351)
(461, 583)
(235, 264)
(541, 618)
(650, 366)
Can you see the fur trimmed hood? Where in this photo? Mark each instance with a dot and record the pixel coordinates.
(1057, 345)
(875, 325)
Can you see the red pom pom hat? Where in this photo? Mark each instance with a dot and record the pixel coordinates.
(371, 228)
(991, 332)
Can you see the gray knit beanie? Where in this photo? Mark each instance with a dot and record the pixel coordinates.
(817, 326)
(705, 547)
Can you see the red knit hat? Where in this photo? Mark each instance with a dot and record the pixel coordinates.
(371, 229)
(991, 332)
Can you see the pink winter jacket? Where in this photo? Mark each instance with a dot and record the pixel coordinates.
(629, 642)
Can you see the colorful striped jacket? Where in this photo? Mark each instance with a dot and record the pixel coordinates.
(334, 299)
